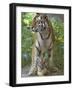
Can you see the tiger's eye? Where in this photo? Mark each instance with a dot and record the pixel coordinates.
(41, 17)
(41, 21)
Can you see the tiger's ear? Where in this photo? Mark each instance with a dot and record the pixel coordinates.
(37, 13)
(46, 18)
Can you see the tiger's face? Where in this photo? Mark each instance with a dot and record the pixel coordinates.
(40, 23)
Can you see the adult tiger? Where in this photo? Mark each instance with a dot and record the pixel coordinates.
(42, 26)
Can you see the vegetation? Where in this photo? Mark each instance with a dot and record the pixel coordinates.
(27, 40)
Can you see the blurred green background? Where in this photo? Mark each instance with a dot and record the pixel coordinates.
(27, 38)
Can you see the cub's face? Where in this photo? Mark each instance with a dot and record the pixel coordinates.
(40, 23)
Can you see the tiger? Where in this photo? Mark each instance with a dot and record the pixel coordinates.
(44, 41)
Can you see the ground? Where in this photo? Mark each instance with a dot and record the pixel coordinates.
(25, 71)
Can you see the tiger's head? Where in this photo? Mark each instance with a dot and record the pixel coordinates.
(40, 23)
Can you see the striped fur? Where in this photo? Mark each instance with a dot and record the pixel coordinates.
(42, 26)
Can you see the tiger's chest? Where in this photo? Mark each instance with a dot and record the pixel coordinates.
(44, 45)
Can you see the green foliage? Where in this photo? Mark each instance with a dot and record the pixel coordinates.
(58, 29)
(27, 42)
(27, 18)
(59, 54)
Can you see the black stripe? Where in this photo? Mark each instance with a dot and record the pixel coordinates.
(38, 43)
(49, 55)
(38, 50)
(45, 38)
(50, 49)
(50, 45)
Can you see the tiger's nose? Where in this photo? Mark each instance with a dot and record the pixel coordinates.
(40, 24)
(44, 27)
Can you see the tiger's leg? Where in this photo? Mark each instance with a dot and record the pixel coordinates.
(52, 66)
(33, 68)
(35, 59)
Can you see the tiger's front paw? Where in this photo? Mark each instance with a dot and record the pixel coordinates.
(43, 72)
(53, 69)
